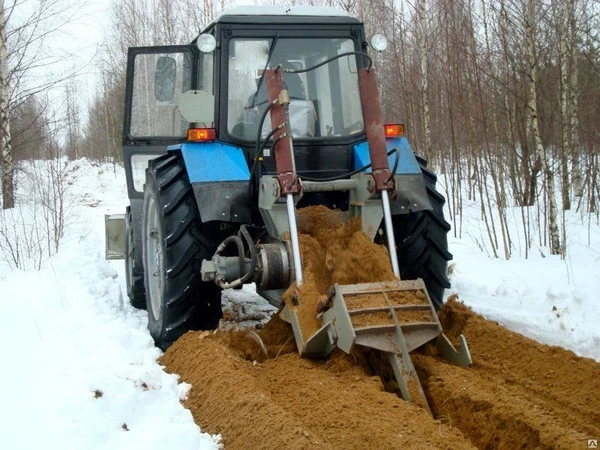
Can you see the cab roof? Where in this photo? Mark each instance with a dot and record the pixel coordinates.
(277, 14)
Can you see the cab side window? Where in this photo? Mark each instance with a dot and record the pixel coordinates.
(159, 79)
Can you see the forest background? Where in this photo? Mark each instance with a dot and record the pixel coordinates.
(501, 97)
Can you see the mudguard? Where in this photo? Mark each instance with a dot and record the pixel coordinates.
(219, 176)
(411, 193)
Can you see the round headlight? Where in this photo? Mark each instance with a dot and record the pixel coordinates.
(206, 43)
(379, 42)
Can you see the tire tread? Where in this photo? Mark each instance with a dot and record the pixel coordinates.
(422, 242)
(188, 303)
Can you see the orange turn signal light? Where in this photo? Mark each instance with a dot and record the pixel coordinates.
(394, 130)
(201, 134)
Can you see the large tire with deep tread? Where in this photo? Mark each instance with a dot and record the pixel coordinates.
(134, 274)
(175, 241)
(422, 242)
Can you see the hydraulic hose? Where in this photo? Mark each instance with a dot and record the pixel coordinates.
(257, 147)
(395, 168)
(244, 275)
(244, 232)
(241, 255)
(333, 58)
(258, 151)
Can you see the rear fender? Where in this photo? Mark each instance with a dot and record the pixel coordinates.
(219, 176)
(411, 193)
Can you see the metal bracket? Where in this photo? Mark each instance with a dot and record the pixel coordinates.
(272, 207)
(366, 204)
(114, 227)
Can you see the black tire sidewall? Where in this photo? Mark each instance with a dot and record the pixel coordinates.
(186, 302)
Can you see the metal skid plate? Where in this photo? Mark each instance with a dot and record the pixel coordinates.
(382, 317)
(320, 344)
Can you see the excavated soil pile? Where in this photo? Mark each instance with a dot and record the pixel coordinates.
(518, 393)
(259, 394)
(332, 251)
(294, 403)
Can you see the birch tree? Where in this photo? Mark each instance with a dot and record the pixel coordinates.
(532, 108)
(7, 173)
(573, 101)
(27, 67)
(565, 98)
(423, 56)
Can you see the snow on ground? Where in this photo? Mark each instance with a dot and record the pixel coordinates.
(80, 369)
(544, 297)
(244, 308)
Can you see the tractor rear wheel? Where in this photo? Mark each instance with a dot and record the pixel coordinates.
(134, 275)
(175, 241)
(422, 242)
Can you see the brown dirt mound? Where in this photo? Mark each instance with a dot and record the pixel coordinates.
(518, 393)
(332, 251)
(294, 403)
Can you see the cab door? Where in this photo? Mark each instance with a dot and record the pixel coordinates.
(156, 79)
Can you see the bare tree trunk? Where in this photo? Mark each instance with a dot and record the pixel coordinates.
(565, 109)
(574, 103)
(7, 175)
(422, 25)
(73, 122)
(555, 247)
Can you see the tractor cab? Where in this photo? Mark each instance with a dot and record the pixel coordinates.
(217, 85)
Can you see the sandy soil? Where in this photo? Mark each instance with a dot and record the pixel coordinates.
(518, 394)
(294, 403)
(332, 252)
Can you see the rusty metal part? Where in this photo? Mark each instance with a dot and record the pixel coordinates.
(369, 97)
(284, 150)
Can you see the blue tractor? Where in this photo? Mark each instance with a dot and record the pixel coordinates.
(266, 111)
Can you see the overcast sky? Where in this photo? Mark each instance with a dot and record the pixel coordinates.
(86, 32)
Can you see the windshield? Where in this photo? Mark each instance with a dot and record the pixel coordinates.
(325, 102)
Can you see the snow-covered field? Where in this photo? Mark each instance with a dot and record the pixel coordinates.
(79, 369)
(544, 297)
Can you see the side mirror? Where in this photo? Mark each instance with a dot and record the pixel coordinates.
(165, 78)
